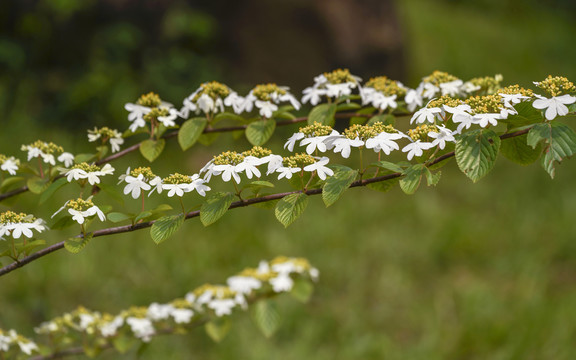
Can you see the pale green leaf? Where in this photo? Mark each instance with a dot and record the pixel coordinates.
(395, 168)
(151, 149)
(215, 207)
(290, 208)
(11, 182)
(76, 244)
(116, 217)
(302, 290)
(190, 132)
(165, 227)
(412, 177)
(476, 152)
(260, 131)
(218, 328)
(336, 185)
(432, 179)
(51, 190)
(37, 185)
(266, 317)
(560, 142)
(323, 114)
(384, 186)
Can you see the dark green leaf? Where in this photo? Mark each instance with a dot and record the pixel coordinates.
(348, 106)
(208, 138)
(476, 152)
(11, 182)
(412, 177)
(80, 158)
(190, 132)
(218, 328)
(388, 166)
(361, 119)
(266, 317)
(76, 244)
(323, 114)
(527, 115)
(27, 249)
(151, 149)
(290, 208)
(165, 227)
(384, 186)
(51, 190)
(386, 119)
(517, 149)
(336, 185)
(113, 192)
(559, 139)
(215, 207)
(260, 131)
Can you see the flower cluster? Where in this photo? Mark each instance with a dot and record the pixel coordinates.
(267, 97)
(17, 225)
(48, 151)
(209, 98)
(9, 164)
(114, 137)
(556, 104)
(274, 277)
(151, 109)
(87, 172)
(81, 209)
(10, 339)
(382, 92)
(333, 85)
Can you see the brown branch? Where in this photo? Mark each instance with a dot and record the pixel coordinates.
(238, 204)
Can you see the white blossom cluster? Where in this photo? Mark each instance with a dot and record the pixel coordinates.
(274, 277)
(12, 343)
(175, 184)
(91, 173)
(9, 164)
(137, 113)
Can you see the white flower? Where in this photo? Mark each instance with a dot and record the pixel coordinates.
(110, 328)
(266, 108)
(222, 306)
(263, 267)
(314, 143)
(48, 159)
(484, 119)
(137, 112)
(383, 102)
(444, 134)
(86, 320)
(228, 172)
(286, 172)
(159, 311)
(75, 174)
(169, 120)
(429, 90)
(312, 94)
(115, 143)
(314, 274)
(512, 99)
(425, 115)
(413, 99)
(27, 347)
(157, 184)
(135, 185)
(384, 142)
(292, 141)
(206, 103)
(249, 166)
(554, 106)
(468, 87)
(274, 162)
(344, 145)
(142, 328)
(338, 90)
(291, 99)
(416, 148)
(182, 316)
(451, 88)
(285, 268)
(320, 168)
(80, 216)
(138, 123)
(283, 282)
(66, 158)
(198, 185)
(235, 101)
(10, 165)
(176, 189)
(243, 284)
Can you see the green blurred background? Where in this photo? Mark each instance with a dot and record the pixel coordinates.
(459, 271)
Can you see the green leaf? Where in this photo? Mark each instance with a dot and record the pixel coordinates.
(476, 152)
(11, 182)
(266, 317)
(215, 207)
(412, 177)
(62, 223)
(165, 227)
(51, 190)
(323, 114)
(161, 208)
(190, 132)
(113, 192)
(386, 119)
(527, 115)
(559, 139)
(260, 131)
(290, 208)
(360, 119)
(142, 216)
(151, 149)
(384, 186)
(389, 166)
(80, 158)
(432, 178)
(123, 342)
(27, 249)
(302, 290)
(218, 328)
(517, 149)
(207, 139)
(227, 116)
(117, 217)
(76, 244)
(37, 185)
(336, 185)
(348, 106)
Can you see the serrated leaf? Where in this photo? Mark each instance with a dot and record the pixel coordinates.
(190, 132)
(323, 114)
(412, 177)
(218, 328)
(290, 208)
(151, 149)
(526, 115)
(476, 152)
(336, 185)
(76, 244)
(51, 190)
(266, 317)
(116, 217)
(302, 290)
(386, 119)
(260, 131)
(517, 149)
(11, 182)
(432, 179)
(37, 185)
(215, 207)
(388, 166)
(384, 186)
(560, 142)
(165, 227)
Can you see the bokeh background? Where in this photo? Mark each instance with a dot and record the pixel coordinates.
(459, 271)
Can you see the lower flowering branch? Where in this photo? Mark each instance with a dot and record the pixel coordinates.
(238, 204)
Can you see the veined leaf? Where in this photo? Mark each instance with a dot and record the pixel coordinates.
(116, 217)
(260, 131)
(476, 152)
(527, 115)
(323, 114)
(290, 208)
(215, 207)
(190, 132)
(388, 166)
(151, 149)
(559, 139)
(517, 149)
(336, 185)
(266, 317)
(218, 328)
(76, 244)
(37, 185)
(384, 186)
(432, 178)
(51, 190)
(165, 227)
(386, 119)
(412, 177)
